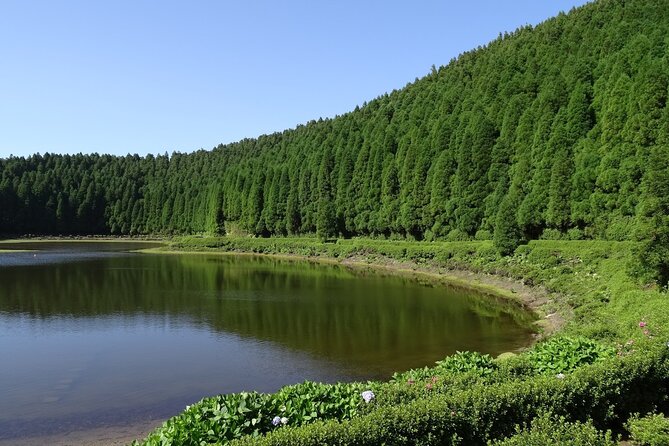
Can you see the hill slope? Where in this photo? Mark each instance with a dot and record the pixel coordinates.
(545, 128)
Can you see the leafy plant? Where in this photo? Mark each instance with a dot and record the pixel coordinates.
(467, 361)
(461, 362)
(223, 418)
(548, 429)
(564, 354)
(651, 430)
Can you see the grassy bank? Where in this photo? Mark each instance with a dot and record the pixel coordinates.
(608, 361)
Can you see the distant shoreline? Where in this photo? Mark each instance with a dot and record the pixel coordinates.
(533, 299)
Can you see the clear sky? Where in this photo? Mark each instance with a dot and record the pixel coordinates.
(150, 76)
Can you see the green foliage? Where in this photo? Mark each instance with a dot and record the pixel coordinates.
(325, 218)
(650, 430)
(223, 418)
(466, 362)
(483, 234)
(306, 402)
(508, 236)
(564, 354)
(457, 235)
(605, 392)
(551, 430)
(461, 362)
(654, 253)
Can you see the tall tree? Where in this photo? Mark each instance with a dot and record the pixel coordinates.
(326, 219)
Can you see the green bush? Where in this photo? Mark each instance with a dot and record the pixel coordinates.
(557, 431)
(461, 362)
(225, 417)
(564, 354)
(651, 430)
(551, 234)
(606, 392)
(483, 234)
(456, 235)
(575, 234)
(621, 228)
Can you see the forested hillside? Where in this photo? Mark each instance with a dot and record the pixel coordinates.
(552, 128)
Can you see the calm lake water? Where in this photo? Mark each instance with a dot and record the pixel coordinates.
(92, 334)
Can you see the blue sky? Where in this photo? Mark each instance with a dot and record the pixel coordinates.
(147, 76)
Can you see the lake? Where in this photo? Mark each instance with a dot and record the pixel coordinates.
(94, 335)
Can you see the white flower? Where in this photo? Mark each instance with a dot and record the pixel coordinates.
(276, 421)
(367, 395)
(284, 420)
(560, 376)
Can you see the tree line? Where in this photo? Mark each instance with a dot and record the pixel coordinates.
(557, 130)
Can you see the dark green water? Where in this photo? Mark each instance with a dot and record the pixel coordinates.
(91, 335)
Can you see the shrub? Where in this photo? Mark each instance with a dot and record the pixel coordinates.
(564, 354)
(621, 228)
(557, 431)
(551, 234)
(651, 430)
(456, 235)
(483, 234)
(461, 362)
(607, 392)
(223, 418)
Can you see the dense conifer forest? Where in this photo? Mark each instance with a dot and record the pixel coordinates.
(558, 130)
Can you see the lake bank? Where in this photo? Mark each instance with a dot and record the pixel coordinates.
(549, 307)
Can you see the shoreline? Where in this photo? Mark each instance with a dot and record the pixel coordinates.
(548, 307)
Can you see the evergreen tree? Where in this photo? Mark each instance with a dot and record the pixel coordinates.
(507, 234)
(326, 218)
(654, 253)
(216, 217)
(559, 207)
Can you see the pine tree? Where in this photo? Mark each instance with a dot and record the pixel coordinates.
(654, 253)
(559, 207)
(216, 218)
(507, 234)
(326, 217)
